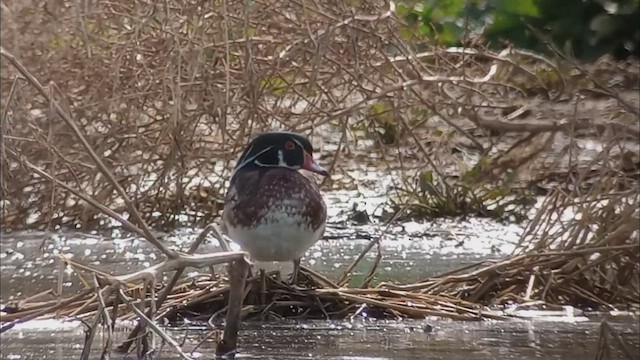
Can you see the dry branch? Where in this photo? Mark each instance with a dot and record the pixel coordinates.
(168, 106)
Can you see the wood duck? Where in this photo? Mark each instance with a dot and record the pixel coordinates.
(271, 210)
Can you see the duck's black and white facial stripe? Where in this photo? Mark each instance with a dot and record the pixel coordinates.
(281, 162)
(279, 149)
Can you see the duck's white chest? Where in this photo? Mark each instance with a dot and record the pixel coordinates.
(280, 237)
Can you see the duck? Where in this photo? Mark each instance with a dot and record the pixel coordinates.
(271, 210)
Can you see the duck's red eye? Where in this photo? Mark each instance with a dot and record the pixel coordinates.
(289, 145)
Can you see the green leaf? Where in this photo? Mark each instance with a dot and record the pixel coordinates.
(450, 207)
(378, 108)
(406, 34)
(517, 7)
(471, 175)
(504, 22)
(91, 25)
(276, 84)
(209, 53)
(484, 162)
(497, 193)
(446, 9)
(450, 33)
(426, 30)
(251, 31)
(57, 41)
(427, 185)
(426, 177)
(402, 9)
(412, 18)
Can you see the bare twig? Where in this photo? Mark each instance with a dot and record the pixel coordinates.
(124, 347)
(153, 326)
(103, 168)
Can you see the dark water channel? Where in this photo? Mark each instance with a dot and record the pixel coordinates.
(30, 264)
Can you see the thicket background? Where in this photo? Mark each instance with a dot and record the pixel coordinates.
(474, 107)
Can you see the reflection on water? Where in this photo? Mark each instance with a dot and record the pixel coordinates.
(404, 340)
(411, 251)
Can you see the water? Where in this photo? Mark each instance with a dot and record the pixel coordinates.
(411, 251)
(30, 264)
(403, 340)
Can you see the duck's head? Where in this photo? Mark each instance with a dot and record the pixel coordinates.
(280, 149)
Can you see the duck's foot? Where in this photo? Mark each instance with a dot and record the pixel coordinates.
(296, 271)
(262, 288)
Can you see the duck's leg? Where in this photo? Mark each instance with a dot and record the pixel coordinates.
(296, 269)
(262, 287)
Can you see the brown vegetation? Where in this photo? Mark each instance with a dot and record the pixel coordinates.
(136, 110)
(168, 95)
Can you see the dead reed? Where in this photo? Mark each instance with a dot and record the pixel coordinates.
(168, 95)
